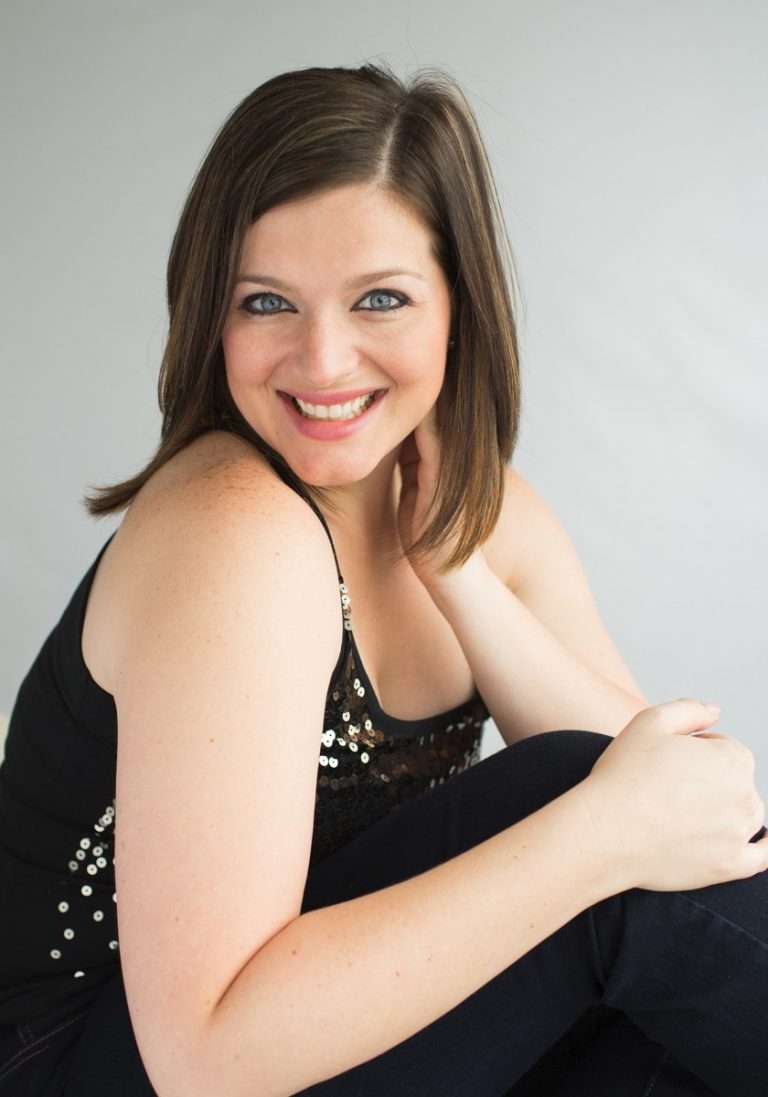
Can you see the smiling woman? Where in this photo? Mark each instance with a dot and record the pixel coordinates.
(371, 355)
(290, 872)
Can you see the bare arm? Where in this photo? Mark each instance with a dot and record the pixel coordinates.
(345, 983)
(530, 681)
(228, 628)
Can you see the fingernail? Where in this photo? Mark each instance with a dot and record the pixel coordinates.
(711, 706)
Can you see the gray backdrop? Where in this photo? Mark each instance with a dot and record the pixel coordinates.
(631, 148)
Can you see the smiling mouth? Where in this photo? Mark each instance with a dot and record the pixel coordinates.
(336, 412)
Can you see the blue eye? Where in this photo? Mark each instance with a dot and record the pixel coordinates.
(263, 304)
(381, 301)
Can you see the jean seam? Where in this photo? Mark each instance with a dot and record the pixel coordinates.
(655, 1076)
(23, 1054)
(722, 918)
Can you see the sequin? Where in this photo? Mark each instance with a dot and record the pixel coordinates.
(86, 889)
(98, 915)
(55, 954)
(63, 907)
(85, 843)
(101, 862)
(374, 771)
(73, 866)
(79, 974)
(69, 934)
(80, 855)
(91, 870)
(113, 945)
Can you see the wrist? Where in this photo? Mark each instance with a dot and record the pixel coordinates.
(452, 589)
(611, 856)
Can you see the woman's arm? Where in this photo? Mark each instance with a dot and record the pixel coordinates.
(527, 677)
(530, 679)
(228, 627)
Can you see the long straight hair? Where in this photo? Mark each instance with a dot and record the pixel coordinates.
(308, 131)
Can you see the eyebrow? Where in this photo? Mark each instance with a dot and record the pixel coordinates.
(355, 283)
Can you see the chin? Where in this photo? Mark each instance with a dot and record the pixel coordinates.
(333, 470)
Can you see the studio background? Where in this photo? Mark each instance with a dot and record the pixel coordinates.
(630, 144)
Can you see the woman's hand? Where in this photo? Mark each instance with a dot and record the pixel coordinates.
(675, 806)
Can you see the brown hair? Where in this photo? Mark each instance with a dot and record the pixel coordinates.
(310, 130)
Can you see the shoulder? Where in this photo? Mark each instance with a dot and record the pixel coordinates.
(217, 478)
(525, 527)
(215, 527)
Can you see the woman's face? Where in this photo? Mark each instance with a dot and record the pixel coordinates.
(336, 341)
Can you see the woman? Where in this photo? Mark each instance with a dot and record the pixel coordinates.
(329, 545)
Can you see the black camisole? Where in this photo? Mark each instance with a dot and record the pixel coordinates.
(58, 905)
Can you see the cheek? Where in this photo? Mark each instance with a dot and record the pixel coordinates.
(243, 362)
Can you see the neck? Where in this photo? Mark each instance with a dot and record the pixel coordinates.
(365, 513)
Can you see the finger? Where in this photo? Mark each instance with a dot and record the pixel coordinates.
(755, 856)
(426, 437)
(684, 716)
(409, 452)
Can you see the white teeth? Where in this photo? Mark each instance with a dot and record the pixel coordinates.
(349, 410)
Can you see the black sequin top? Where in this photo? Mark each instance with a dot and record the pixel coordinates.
(58, 905)
(371, 762)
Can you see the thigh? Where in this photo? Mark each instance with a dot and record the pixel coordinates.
(34, 1055)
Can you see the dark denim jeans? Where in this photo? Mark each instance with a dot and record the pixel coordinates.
(646, 994)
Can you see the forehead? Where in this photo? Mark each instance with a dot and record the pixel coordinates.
(360, 222)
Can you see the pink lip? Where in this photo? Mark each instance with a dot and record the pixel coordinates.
(328, 399)
(332, 430)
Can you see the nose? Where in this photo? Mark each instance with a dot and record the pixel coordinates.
(327, 352)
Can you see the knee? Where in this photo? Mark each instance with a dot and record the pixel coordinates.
(566, 757)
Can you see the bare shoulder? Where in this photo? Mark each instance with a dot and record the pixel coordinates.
(525, 519)
(216, 514)
(532, 552)
(217, 477)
